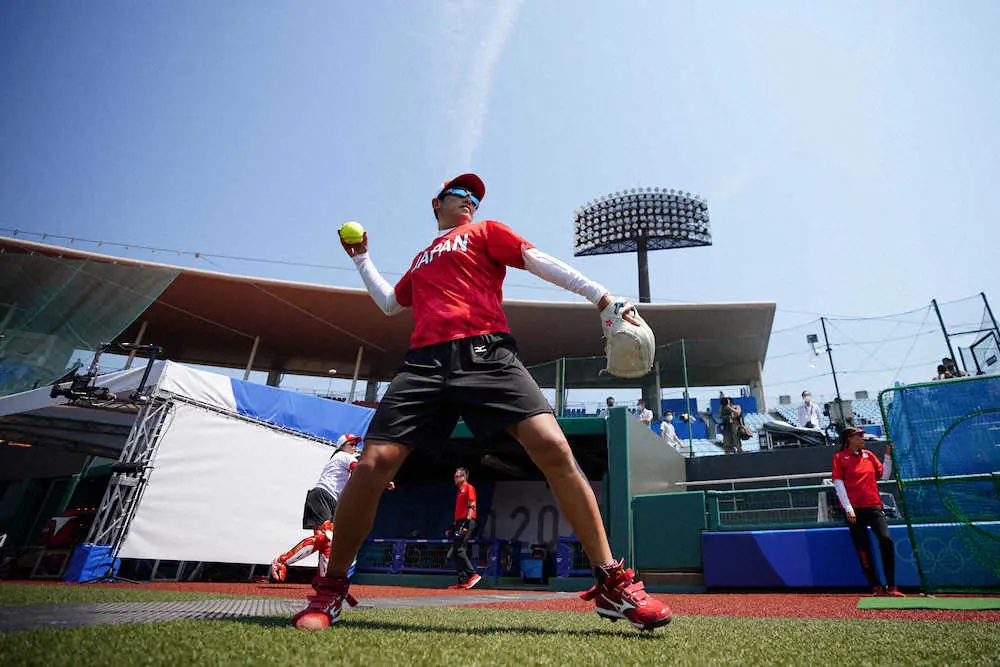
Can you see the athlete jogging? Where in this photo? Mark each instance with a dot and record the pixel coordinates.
(463, 363)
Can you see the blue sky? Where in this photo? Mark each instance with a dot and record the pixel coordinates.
(848, 150)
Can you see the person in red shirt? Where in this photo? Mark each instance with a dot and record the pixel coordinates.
(463, 363)
(461, 531)
(856, 472)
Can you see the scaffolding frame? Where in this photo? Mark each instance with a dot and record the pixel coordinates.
(129, 474)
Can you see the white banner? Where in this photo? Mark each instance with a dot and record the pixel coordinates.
(224, 490)
(527, 512)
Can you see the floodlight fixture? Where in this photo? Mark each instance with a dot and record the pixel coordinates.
(812, 339)
(638, 220)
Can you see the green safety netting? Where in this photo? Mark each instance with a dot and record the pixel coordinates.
(53, 306)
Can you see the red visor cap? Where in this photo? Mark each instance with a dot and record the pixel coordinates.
(470, 181)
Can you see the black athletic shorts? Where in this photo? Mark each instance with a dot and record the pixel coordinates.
(479, 379)
(320, 508)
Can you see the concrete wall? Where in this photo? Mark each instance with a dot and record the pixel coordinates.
(654, 466)
(639, 463)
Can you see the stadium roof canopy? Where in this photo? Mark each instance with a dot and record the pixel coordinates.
(211, 318)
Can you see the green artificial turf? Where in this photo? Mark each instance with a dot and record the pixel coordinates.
(921, 602)
(21, 594)
(450, 636)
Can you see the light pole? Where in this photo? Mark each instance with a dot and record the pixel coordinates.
(639, 220)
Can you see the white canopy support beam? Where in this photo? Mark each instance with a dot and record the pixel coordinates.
(757, 390)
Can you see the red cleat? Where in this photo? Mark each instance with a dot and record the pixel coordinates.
(617, 595)
(893, 592)
(473, 580)
(323, 609)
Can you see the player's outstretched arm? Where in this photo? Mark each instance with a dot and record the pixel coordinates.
(559, 273)
(378, 287)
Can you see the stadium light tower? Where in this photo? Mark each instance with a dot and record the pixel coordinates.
(640, 220)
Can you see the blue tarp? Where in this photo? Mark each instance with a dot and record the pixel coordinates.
(90, 562)
(320, 417)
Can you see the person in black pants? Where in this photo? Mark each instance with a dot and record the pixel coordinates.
(856, 472)
(461, 531)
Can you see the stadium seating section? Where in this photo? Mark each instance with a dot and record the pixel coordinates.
(866, 413)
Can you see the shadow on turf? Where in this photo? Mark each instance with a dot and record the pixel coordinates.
(282, 622)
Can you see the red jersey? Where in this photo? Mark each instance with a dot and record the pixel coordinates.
(860, 473)
(455, 285)
(466, 499)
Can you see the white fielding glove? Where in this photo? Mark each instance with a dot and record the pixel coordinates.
(629, 347)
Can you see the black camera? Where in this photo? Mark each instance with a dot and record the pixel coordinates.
(82, 386)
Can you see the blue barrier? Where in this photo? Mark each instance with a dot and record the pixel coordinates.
(90, 562)
(825, 558)
(678, 405)
(497, 558)
(571, 560)
(532, 568)
(698, 428)
(747, 403)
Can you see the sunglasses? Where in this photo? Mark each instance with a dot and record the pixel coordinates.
(462, 192)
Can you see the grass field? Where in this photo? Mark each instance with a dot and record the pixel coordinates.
(442, 636)
(474, 636)
(22, 594)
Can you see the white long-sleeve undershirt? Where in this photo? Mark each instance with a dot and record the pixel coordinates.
(557, 272)
(536, 262)
(379, 288)
(838, 484)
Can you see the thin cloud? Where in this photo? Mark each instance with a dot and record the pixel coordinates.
(475, 35)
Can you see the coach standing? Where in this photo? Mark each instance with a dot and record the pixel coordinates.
(856, 472)
(461, 531)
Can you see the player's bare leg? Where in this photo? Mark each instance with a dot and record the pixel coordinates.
(355, 515)
(545, 443)
(358, 503)
(616, 594)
